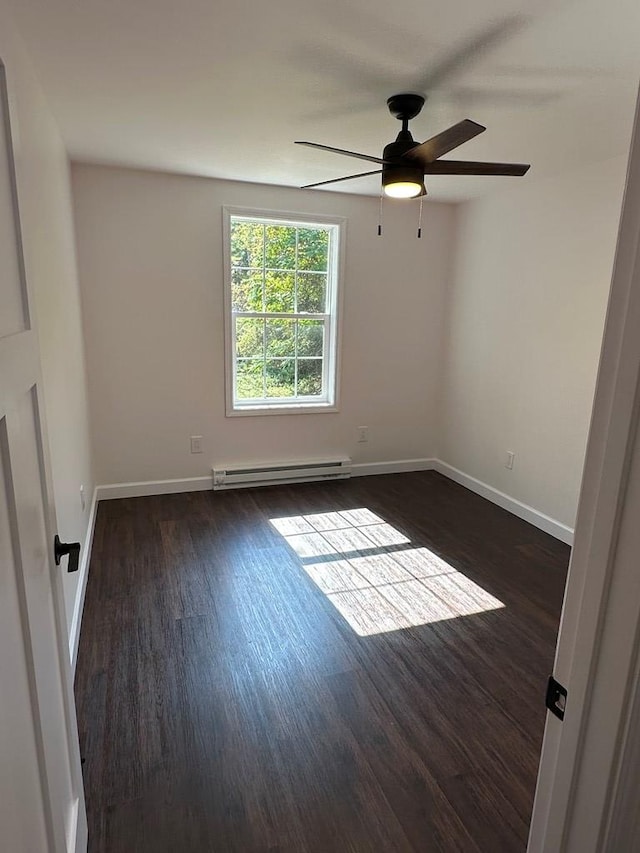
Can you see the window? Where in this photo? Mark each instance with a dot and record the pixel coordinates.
(282, 317)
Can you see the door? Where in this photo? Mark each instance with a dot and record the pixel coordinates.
(582, 778)
(41, 795)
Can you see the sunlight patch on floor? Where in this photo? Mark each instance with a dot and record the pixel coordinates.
(372, 576)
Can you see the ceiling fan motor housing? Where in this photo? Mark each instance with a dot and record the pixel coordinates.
(396, 169)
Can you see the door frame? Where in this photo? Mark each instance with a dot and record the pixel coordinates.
(79, 823)
(584, 776)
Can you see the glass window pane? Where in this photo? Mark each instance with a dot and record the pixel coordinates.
(280, 377)
(247, 244)
(249, 381)
(310, 377)
(283, 269)
(249, 337)
(281, 338)
(313, 249)
(310, 337)
(279, 288)
(312, 293)
(246, 290)
(280, 247)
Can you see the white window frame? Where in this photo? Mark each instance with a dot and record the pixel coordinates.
(331, 373)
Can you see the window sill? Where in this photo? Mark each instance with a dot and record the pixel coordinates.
(288, 409)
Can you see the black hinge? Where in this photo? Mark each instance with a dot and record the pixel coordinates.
(556, 699)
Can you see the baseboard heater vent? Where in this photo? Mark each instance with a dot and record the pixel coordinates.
(265, 474)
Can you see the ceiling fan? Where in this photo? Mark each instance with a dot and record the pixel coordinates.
(405, 162)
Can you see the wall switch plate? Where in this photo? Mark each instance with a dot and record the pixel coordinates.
(510, 457)
(196, 444)
(83, 501)
(363, 434)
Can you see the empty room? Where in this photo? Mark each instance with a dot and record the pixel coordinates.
(318, 411)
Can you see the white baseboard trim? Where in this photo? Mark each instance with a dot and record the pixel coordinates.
(522, 510)
(399, 466)
(111, 491)
(83, 576)
(360, 469)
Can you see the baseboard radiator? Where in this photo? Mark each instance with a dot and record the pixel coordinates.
(272, 473)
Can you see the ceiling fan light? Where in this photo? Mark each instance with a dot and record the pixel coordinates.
(403, 189)
(401, 179)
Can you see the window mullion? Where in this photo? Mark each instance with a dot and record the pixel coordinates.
(295, 275)
(264, 359)
(295, 355)
(264, 268)
(280, 315)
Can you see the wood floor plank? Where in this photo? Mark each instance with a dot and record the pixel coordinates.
(415, 796)
(283, 670)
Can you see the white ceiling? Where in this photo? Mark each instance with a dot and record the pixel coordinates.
(223, 87)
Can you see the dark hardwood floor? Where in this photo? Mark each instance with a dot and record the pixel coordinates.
(225, 703)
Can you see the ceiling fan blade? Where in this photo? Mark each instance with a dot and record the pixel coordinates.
(466, 167)
(342, 151)
(348, 59)
(469, 51)
(337, 180)
(445, 141)
(508, 98)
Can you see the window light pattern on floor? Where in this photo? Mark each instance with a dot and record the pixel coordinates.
(372, 575)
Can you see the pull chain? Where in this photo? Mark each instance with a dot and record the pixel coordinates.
(380, 214)
(420, 218)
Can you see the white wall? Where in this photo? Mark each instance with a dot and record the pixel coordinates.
(151, 271)
(497, 354)
(47, 229)
(524, 328)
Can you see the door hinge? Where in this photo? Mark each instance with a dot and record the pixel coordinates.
(556, 699)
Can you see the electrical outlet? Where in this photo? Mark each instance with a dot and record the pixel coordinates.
(196, 444)
(510, 457)
(363, 434)
(83, 501)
